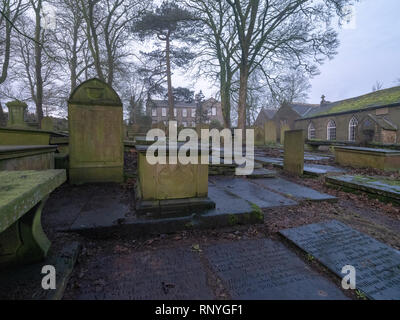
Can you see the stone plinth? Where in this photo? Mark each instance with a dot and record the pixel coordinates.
(166, 187)
(18, 158)
(96, 134)
(16, 111)
(24, 137)
(384, 159)
(294, 152)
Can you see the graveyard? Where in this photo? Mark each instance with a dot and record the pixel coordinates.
(199, 150)
(116, 225)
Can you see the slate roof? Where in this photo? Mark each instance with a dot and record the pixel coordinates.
(302, 109)
(269, 113)
(375, 99)
(177, 104)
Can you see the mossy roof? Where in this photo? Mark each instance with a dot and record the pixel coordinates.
(379, 98)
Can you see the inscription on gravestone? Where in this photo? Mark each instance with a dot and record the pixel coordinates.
(168, 274)
(335, 245)
(265, 269)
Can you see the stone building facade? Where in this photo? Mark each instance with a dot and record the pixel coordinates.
(374, 117)
(187, 114)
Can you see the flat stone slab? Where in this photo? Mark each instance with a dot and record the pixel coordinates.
(311, 169)
(374, 185)
(21, 190)
(253, 193)
(370, 150)
(167, 274)
(24, 283)
(336, 245)
(262, 173)
(266, 270)
(294, 190)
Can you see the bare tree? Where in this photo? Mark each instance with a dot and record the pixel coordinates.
(377, 86)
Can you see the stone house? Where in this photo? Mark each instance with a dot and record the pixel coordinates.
(264, 115)
(287, 115)
(185, 113)
(373, 117)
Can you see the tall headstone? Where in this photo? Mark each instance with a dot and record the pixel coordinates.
(270, 132)
(47, 124)
(259, 136)
(16, 111)
(294, 152)
(96, 134)
(284, 128)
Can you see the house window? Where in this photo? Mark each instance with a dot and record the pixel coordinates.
(184, 113)
(175, 112)
(164, 112)
(214, 111)
(154, 112)
(353, 129)
(311, 131)
(184, 124)
(193, 113)
(331, 130)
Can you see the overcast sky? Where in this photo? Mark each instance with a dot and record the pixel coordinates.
(369, 51)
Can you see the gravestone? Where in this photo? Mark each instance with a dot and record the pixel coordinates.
(336, 245)
(96, 134)
(294, 152)
(259, 136)
(47, 124)
(16, 112)
(167, 274)
(284, 128)
(264, 269)
(270, 132)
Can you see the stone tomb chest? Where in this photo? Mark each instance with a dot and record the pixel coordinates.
(171, 187)
(96, 134)
(384, 159)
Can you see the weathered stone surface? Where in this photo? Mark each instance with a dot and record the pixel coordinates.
(22, 190)
(47, 124)
(376, 186)
(384, 159)
(253, 193)
(24, 137)
(294, 152)
(16, 112)
(259, 136)
(96, 134)
(171, 181)
(266, 270)
(25, 158)
(270, 132)
(336, 245)
(169, 274)
(293, 190)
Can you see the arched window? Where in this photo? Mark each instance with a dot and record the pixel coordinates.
(311, 131)
(353, 129)
(331, 130)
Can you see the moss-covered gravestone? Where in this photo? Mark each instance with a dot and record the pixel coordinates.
(47, 124)
(294, 152)
(259, 136)
(270, 132)
(96, 134)
(16, 112)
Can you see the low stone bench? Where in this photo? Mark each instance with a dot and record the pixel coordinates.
(384, 159)
(24, 158)
(22, 198)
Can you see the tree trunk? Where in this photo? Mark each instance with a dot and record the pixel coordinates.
(38, 65)
(244, 76)
(169, 80)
